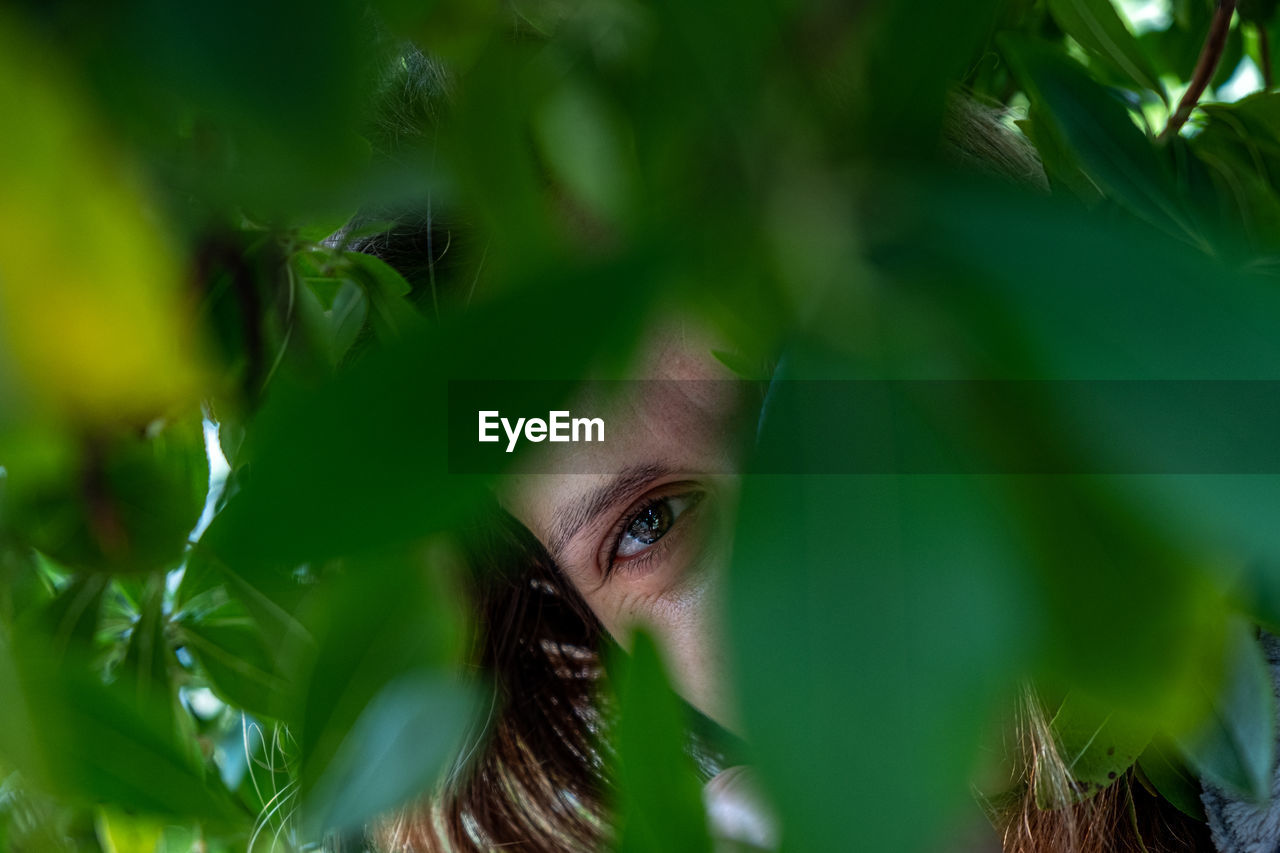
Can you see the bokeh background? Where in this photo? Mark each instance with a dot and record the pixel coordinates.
(229, 616)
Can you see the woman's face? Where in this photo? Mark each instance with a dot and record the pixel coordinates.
(642, 535)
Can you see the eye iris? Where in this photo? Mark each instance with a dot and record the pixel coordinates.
(651, 524)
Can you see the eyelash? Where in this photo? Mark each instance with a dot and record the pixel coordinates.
(642, 559)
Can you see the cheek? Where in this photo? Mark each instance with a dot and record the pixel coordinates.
(685, 622)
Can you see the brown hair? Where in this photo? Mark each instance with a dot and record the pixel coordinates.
(537, 778)
(1043, 814)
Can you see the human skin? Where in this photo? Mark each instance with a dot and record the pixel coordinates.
(672, 450)
(665, 473)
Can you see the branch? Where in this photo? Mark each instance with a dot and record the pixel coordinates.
(1206, 65)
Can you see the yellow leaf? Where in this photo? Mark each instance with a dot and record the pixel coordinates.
(91, 314)
(120, 833)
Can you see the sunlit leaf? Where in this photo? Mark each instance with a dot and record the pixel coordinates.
(121, 833)
(1096, 25)
(1096, 127)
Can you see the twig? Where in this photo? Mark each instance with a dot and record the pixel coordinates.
(1206, 65)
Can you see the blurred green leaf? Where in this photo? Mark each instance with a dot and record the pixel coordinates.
(129, 507)
(588, 148)
(380, 714)
(661, 804)
(393, 751)
(347, 316)
(121, 833)
(97, 335)
(910, 67)
(1258, 11)
(889, 708)
(1235, 745)
(72, 617)
(100, 742)
(1238, 144)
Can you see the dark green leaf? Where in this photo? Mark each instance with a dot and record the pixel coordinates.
(1164, 769)
(661, 807)
(1096, 126)
(1258, 11)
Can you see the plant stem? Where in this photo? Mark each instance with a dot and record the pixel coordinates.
(1210, 56)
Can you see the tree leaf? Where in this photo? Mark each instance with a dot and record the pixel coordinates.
(1235, 745)
(101, 742)
(393, 752)
(121, 833)
(234, 657)
(1099, 29)
(661, 807)
(1096, 126)
(1165, 770)
(379, 710)
(862, 711)
(346, 318)
(1097, 743)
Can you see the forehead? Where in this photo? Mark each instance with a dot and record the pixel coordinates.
(677, 415)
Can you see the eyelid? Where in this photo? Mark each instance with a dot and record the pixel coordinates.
(663, 492)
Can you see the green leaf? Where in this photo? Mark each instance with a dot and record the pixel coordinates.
(392, 315)
(72, 617)
(149, 660)
(80, 739)
(587, 146)
(852, 661)
(661, 804)
(1060, 164)
(1258, 11)
(231, 652)
(1234, 746)
(1238, 144)
(1096, 126)
(129, 506)
(1097, 744)
(380, 712)
(1160, 765)
(393, 751)
(122, 833)
(1100, 30)
(346, 318)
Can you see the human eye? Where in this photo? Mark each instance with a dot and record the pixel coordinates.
(646, 524)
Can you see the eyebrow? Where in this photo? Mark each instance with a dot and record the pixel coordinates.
(590, 506)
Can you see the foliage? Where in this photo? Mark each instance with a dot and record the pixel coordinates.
(259, 654)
